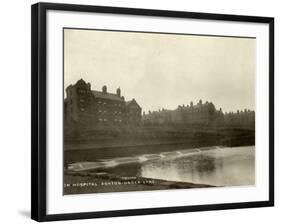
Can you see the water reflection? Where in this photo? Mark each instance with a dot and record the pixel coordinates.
(218, 167)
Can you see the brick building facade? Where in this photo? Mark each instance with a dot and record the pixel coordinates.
(244, 118)
(99, 107)
(201, 114)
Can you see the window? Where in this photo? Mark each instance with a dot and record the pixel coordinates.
(81, 91)
(82, 100)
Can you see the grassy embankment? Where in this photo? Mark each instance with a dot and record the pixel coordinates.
(90, 144)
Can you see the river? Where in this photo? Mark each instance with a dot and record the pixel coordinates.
(218, 167)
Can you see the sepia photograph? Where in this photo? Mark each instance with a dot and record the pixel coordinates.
(150, 111)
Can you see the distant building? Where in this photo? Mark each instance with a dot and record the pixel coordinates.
(99, 107)
(157, 117)
(244, 118)
(201, 114)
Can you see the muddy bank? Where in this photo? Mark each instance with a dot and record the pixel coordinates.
(101, 182)
(121, 178)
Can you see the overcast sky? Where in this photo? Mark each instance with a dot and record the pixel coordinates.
(164, 70)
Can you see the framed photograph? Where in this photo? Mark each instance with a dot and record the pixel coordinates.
(140, 111)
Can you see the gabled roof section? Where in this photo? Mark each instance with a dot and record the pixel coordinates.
(80, 82)
(107, 96)
(133, 103)
(128, 102)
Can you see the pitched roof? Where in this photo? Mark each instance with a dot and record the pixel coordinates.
(133, 102)
(80, 81)
(108, 96)
(128, 102)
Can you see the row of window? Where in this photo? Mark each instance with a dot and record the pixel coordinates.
(104, 103)
(134, 112)
(105, 120)
(99, 102)
(115, 112)
(82, 91)
(100, 111)
(79, 91)
(81, 101)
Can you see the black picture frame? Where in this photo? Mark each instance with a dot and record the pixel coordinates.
(39, 107)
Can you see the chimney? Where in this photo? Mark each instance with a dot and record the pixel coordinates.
(118, 92)
(89, 86)
(104, 89)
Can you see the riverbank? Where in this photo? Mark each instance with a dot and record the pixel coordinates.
(91, 144)
(123, 177)
(102, 182)
(79, 138)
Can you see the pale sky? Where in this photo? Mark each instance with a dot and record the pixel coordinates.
(164, 70)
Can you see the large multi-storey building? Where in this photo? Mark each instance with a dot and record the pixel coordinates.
(99, 107)
(200, 114)
(244, 118)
